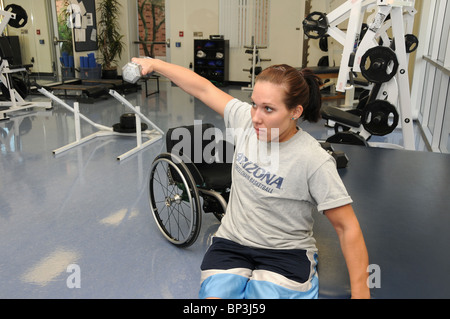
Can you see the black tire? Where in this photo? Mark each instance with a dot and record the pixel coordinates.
(174, 200)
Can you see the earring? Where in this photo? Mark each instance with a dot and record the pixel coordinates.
(293, 118)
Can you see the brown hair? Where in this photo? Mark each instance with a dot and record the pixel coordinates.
(302, 87)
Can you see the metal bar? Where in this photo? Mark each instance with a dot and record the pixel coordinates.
(149, 42)
(138, 148)
(403, 79)
(440, 66)
(354, 27)
(68, 107)
(76, 107)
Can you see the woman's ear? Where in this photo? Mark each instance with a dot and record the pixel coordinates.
(297, 112)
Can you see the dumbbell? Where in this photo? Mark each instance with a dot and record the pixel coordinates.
(340, 157)
(132, 72)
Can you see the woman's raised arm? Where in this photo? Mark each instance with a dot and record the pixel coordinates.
(188, 81)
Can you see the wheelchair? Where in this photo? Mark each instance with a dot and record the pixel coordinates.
(193, 175)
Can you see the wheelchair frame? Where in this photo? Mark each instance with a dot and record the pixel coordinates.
(176, 186)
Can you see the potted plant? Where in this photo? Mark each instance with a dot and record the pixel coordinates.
(110, 42)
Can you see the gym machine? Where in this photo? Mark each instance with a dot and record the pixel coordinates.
(255, 68)
(384, 65)
(14, 16)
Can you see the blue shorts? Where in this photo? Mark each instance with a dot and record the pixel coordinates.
(233, 271)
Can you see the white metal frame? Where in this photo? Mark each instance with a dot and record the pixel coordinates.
(153, 135)
(401, 22)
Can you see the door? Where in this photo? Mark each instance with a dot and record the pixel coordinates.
(62, 40)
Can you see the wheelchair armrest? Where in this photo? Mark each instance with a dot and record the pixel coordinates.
(340, 116)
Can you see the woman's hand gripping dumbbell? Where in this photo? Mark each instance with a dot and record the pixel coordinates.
(133, 71)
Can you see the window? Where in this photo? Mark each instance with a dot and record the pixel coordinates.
(432, 74)
(240, 21)
(152, 28)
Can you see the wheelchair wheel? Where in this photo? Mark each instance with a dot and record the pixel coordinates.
(174, 200)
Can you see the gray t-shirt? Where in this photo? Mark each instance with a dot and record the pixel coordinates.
(277, 186)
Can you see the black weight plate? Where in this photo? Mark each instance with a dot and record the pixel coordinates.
(21, 16)
(379, 64)
(411, 42)
(323, 44)
(315, 25)
(380, 118)
(323, 61)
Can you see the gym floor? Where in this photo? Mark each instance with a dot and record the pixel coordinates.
(85, 208)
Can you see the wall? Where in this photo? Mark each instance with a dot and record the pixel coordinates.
(192, 16)
(30, 47)
(286, 33)
(189, 16)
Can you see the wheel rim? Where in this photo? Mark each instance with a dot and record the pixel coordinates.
(174, 204)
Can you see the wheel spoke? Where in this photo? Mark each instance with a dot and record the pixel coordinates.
(175, 206)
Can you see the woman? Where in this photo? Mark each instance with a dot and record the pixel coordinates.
(264, 246)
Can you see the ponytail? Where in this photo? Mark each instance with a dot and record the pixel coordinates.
(302, 87)
(311, 112)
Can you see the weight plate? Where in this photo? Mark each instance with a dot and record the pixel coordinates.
(379, 64)
(323, 61)
(21, 16)
(379, 118)
(411, 42)
(323, 44)
(315, 25)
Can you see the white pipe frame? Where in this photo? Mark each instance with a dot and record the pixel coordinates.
(401, 22)
(153, 135)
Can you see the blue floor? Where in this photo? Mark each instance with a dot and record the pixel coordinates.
(82, 218)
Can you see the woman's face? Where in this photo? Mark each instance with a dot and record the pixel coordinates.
(271, 118)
